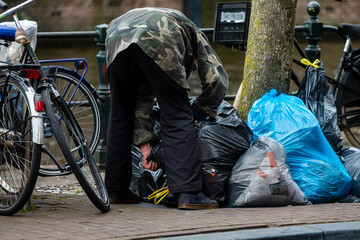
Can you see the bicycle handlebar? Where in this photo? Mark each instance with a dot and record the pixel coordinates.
(327, 28)
(3, 5)
(16, 8)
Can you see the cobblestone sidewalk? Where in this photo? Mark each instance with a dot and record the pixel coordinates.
(63, 212)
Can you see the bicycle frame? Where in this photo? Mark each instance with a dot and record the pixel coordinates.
(80, 63)
(44, 81)
(49, 75)
(27, 46)
(13, 10)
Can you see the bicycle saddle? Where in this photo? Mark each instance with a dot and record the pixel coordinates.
(352, 30)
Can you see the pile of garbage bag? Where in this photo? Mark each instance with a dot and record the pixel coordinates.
(222, 141)
(314, 165)
(289, 152)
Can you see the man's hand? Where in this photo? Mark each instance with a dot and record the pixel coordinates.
(145, 150)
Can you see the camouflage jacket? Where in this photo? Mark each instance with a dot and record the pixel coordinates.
(177, 46)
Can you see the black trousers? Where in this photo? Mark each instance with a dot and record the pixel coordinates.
(181, 149)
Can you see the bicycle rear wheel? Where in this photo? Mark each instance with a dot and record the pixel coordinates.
(19, 155)
(85, 109)
(348, 100)
(73, 145)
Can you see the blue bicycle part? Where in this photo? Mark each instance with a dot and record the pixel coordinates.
(7, 33)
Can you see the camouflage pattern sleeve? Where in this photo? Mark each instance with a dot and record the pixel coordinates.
(214, 79)
(144, 120)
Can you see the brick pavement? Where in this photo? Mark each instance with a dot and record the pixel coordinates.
(70, 216)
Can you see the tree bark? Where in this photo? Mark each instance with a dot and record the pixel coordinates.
(269, 51)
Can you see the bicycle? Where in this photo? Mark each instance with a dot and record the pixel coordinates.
(346, 83)
(82, 98)
(20, 137)
(66, 129)
(79, 94)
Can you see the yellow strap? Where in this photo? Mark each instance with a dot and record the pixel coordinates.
(307, 62)
(160, 193)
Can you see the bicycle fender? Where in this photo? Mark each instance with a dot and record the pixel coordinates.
(36, 117)
(42, 85)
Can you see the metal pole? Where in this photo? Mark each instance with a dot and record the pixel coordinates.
(104, 92)
(192, 9)
(314, 30)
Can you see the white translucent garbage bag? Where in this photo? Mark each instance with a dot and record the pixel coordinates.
(14, 51)
(261, 178)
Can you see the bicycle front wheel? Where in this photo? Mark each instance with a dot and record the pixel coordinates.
(75, 150)
(19, 155)
(349, 99)
(86, 111)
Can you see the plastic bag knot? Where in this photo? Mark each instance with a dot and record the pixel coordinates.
(272, 93)
(307, 62)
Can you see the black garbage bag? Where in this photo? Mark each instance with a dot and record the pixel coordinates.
(212, 186)
(350, 157)
(222, 141)
(144, 181)
(157, 153)
(261, 178)
(317, 96)
(136, 168)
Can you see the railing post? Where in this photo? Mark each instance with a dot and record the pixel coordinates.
(314, 32)
(104, 92)
(193, 10)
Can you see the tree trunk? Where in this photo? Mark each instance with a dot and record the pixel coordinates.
(269, 51)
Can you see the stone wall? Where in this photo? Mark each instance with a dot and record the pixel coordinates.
(71, 15)
(332, 12)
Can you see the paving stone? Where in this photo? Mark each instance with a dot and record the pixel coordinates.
(70, 216)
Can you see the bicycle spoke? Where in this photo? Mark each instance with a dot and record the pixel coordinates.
(19, 156)
(86, 111)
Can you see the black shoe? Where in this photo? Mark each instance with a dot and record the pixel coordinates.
(196, 201)
(127, 196)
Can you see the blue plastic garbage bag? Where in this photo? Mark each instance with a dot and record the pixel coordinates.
(314, 165)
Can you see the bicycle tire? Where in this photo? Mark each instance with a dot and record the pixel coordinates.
(348, 103)
(19, 155)
(84, 107)
(75, 150)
